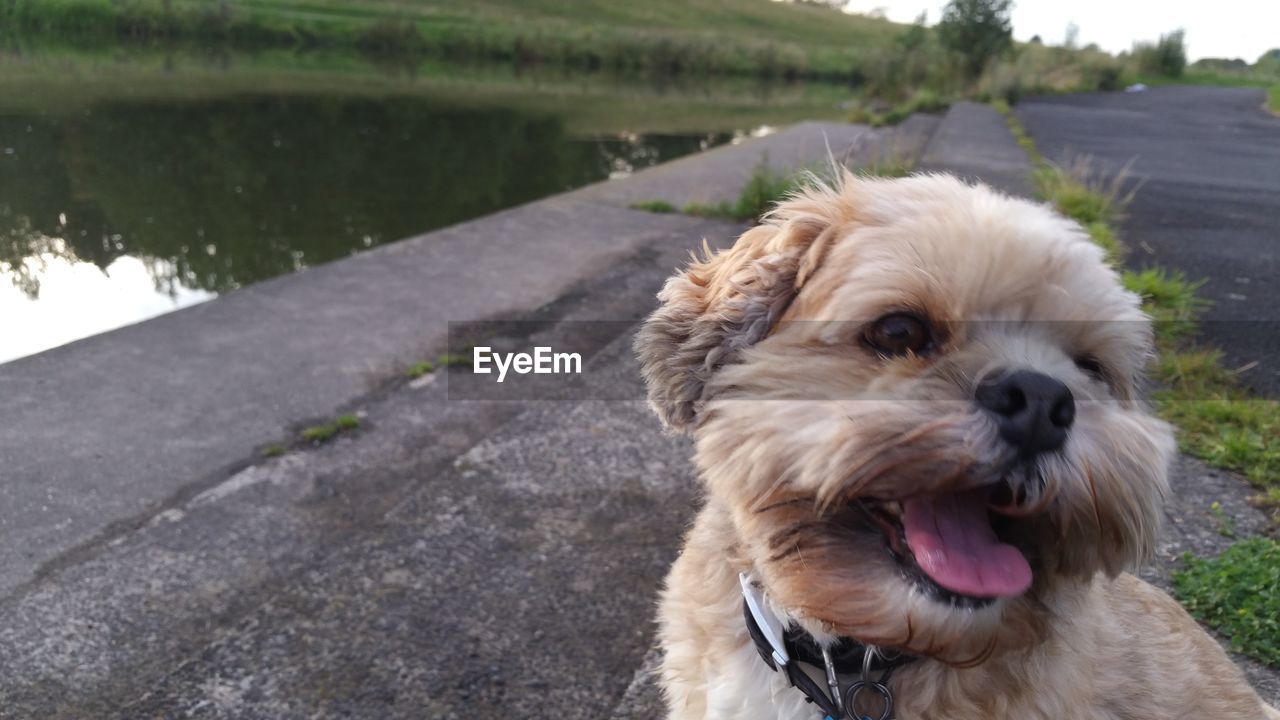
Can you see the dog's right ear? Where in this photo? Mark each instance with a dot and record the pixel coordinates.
(725, 301)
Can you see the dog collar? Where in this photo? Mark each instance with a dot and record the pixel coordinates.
(784, 647)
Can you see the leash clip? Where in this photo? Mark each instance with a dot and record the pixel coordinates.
(851, 699)
(864, 683)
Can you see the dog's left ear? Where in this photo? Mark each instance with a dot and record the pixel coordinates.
(725, 301)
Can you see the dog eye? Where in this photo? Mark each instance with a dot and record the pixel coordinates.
(1091, 366)
(899, 334)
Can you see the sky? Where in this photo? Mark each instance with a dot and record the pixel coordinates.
(1221, 28)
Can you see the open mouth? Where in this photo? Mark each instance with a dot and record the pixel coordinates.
(951, 544)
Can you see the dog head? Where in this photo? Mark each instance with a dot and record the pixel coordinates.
(917, 400)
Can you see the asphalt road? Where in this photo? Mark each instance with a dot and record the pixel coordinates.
(1206, 163)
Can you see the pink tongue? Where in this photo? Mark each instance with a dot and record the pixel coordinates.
(955, 545)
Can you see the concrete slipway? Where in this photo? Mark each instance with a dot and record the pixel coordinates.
(449, 558)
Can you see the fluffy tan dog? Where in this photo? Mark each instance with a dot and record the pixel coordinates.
(916, 411)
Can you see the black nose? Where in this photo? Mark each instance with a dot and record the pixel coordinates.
(1032, 409)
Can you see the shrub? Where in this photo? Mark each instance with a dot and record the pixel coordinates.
(1167, 58)
(1003, 82)
(979, 30)
(1269, 62)
(915, 60)
(1102, 72)
(915, 36)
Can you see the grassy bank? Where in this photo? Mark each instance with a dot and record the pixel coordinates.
(757, 37)
(898, 69)
(60, 80)
(902, 68)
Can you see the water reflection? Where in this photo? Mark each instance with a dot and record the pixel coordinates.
(77, 299)
(127, 209)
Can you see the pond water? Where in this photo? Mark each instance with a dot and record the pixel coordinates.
(133, 186)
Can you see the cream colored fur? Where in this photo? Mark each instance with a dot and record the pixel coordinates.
(757, 352)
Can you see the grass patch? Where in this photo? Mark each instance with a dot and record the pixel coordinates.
(1191, 77)
(427, 367)
(1020, 136)
(1103, 236)
(1239, 594)
(891, 165)
(922, 100)
(767, 187)
(1171, 301)
(319, 434)
(724, 210)
(1075, 191)
(1074, 196)
(655, 206)
(1232, 431)
(764, 189)
(454, 360)
(419, 369)
(271, 451)
(1273, 98)
(1217, 420)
